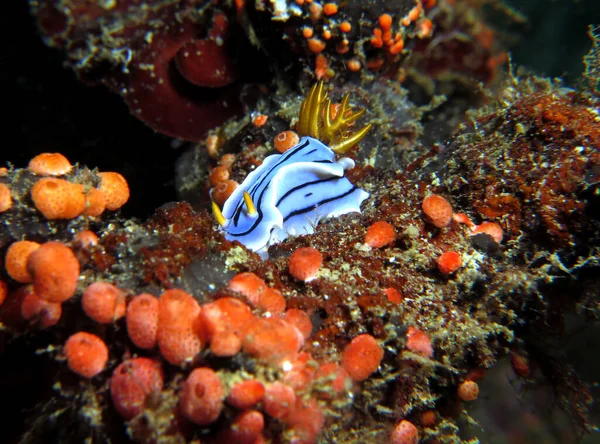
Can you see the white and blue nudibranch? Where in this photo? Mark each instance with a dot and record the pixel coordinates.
(289, 193)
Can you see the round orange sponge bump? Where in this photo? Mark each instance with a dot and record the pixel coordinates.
(95, 203)
(305, 263)
(176, 337)
(468, 391)
(5, 198)
(86, 354)
(16, 260)
(246, 394)
(55, 271)
(142, 320)
(50, 164)
(35, 309)
(201, 399)
(286, 140)
(58, 198)
(449, 262)
(103, 302)
(438, 210)
(115, 190)
(250, 285)
(380, 234)
(405, 432)
(273, 340)
(279, 400)
(132, 381)
(361, 357)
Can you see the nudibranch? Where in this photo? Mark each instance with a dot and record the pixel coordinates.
(289, 193)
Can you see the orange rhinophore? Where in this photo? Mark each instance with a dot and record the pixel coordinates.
(16, 260)
(361, 357)
(86, 354)
(55, 271)
(115, 190)
(58, 198)
(103, 302)
(50, 164)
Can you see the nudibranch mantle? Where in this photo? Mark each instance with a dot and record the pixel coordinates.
(291, 193)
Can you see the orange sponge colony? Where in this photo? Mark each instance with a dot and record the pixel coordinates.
(131, 383)
(115, 190)
(58, 198)
(142, 320)
(177, 340)
(55, 271)
(50, 164)
(380, 234)
(16, 260)
(103, 302)
(362, 357)
(5, 198)
(86, 354)
(437, 210)
(405, 432)
(305, 263)
(202, 396)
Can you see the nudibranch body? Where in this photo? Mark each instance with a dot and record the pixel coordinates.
(289, 193)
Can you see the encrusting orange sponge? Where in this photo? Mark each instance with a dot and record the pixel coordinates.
(55, 271)
(86, 354)
(50, 164)
(361, 357)
(115, 190)
(58, 198)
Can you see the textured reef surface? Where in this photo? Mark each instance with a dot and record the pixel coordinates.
(460, 304)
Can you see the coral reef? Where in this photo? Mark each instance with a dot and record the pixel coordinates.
(477, 245)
